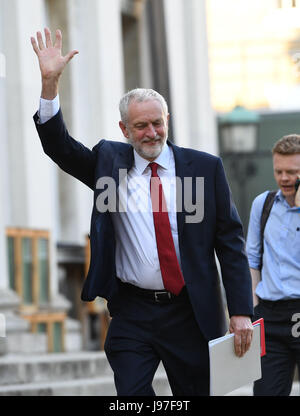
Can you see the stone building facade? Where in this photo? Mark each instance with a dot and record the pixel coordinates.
(44, 213)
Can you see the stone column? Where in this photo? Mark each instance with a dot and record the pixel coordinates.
(203, 132)
(90, 91)
(4, 188)
(193, 117)
(32, 185)
(177, 70)
(10, 323)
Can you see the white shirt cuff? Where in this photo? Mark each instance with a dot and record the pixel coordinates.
(48, 109)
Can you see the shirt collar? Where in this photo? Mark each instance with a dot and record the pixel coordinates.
(163, 160)
(279, 197)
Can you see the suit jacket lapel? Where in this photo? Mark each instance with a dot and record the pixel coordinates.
(123, 160)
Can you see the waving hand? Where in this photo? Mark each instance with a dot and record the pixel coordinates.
(51, 61)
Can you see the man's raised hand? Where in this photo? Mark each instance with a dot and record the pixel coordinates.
(51, 61)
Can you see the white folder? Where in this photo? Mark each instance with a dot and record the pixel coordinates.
(229, 372)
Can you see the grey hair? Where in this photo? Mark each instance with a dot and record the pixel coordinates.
(140, 95)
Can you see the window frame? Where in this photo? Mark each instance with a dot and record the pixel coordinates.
(18, 234)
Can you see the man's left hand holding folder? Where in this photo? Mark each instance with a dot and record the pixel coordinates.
(242, 328)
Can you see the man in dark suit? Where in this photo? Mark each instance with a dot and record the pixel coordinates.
(153, 242)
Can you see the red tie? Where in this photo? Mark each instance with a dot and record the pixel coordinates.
(169, 266)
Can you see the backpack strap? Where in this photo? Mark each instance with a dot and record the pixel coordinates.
(269, 201)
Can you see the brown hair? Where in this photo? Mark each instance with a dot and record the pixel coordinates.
(287, 145)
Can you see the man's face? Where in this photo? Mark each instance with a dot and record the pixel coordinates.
(286, 171)
(147, 128)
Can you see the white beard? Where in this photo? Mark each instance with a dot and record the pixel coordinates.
(145, 151)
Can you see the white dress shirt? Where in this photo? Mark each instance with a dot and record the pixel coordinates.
(136, 251)
(48, 109)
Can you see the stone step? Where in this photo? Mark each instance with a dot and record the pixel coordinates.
(20, 369)
(98, 386)
(64, 374)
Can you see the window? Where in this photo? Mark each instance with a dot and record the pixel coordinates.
(53, 325)
(28, 265)
(29, 276)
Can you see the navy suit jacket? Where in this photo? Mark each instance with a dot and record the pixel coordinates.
(219, 232)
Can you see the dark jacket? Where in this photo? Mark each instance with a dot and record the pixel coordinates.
(220, 230)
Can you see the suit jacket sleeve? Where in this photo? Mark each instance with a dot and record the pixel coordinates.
(231, 251)
(70, 155)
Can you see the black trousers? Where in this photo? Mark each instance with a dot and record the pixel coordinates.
(282, 347)
(142, 333)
